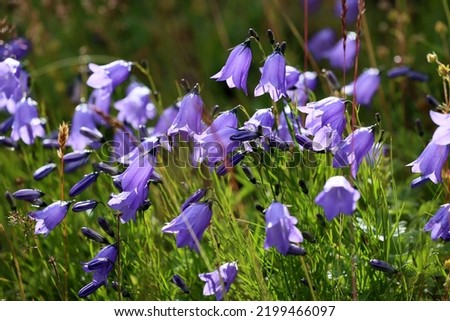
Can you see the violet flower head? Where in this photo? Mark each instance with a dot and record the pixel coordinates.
(101, 265)
(110, 75)
(366, 86)
(165, 120)
(262, 118)
(48, 218)
(136, 108)
(439, 224)
(336, 55)
(219, 281)
(13, 84)
(352, 150)
(194, 198)
(82, 117)
(280, 228)
(337, 196)
(16, 48)
(352, 10)
(321, 42)
(430, 163)
(190, 225)
(441, 135)
(27, 125)
(273, 77)
(299, 92)
(236, 68)
(189, 117)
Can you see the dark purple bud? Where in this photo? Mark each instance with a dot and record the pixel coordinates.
(309, 237)
(296, 250)
(248, 172)
(84, 205)
(145, 205)
(271, 37)
(27, 194)
(419, 181)
(304, 141)
(283, 47)
(194, 198)
(6, 125)
(93, 235)
(98, 263)
(84, 183)
(178, 281)
(244, 135)
(253, 33)
(38, 203)
(104, 224)
(419, 127)
(50, 143)
(417, 76)
(7, 142)
(382, 266)
(106, 168)
(260, 208)
(432, 101)
(332, 80)
(303, 186)
(90, 288)
(43, 171)
(94, 135)
(398, 71)
(229, 163)
(74, 165)
(10, 200)
(77, 156)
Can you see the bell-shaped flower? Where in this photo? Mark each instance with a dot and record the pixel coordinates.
(110, 75)
(321, 42)
(299, 92)
(430, 163)
(236, 68)
(273, 77)
(352, 150)
(13, 84)
(189, 117)
(439, 224)
(190, 225)
(280, 228)
(365, 87)
(441, 135)
(27, 125)
(82, 117)
(337, 196)
(100, 266)
(340, 59)
(352, 10)
(165, 120)
(49, 217)
(218, 282)
(136, 108)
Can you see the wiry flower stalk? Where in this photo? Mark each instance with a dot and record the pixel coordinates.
(63, 136)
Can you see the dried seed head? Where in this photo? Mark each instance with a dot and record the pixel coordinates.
(63, 135)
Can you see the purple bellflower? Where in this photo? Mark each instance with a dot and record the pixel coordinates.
(194, 198)
(429, 164)
(441, 135)
(321, 42)
(262, 118)
(352, 150)
(101, 265)
(236, 68)
(27, 194)
(110, 75)
(48, 218)
(13, 84)
(366, 86)
(100, 100)
(336, 55)
(352, 10)
(273, 77)
(27, 125)
(189, 117)
(136, 108)
(337, 196)
(299, 92)
(439, 224)
(219, 281)
(280, 228)
(165, 120)
(134, 188)
(16, 48)
(190, 225)
(82, 117)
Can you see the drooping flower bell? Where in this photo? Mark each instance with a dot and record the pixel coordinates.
(83, 116)
(110, 75)
(352, 10)
(280, 228)
(337, 196)
(321, 42)
(365, 87)
(218, 282)
(336, 55)
(27, 125)
(439, 224)
(190, 225)
(273, 76)
(236, 68)
(49, 217)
